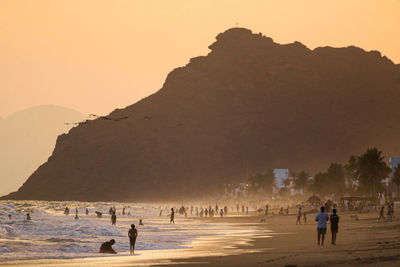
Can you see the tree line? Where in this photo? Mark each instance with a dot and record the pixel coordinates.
(361, 175)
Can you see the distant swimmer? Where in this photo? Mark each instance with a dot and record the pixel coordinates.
(99, 214)
(172, 218)
(113, 218)
(28, 217)
(87, 211)
(132, 234)
(141, 222)
(106, 247)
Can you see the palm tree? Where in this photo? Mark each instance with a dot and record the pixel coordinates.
(371, 169)
(301, 181)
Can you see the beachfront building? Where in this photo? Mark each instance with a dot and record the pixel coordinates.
(393, 163)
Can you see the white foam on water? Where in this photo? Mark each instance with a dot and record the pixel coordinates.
(51, 234)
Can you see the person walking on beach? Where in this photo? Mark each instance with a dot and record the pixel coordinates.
(172, 218)
(381, 214)
(266, 209)
(322, 217)
(113, 218)
(298, 216)
(247, 211)
(132, 234)
(221, 212)
(334, 218)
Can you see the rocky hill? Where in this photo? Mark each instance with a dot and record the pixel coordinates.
(249, 105)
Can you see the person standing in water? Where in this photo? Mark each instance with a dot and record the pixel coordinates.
(172, 218)
(28, 217)
(87, 211)
(322, 217)
(113, 218)
(132, 234)
(334, 218)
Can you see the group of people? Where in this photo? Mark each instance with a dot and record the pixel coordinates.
(322, 218)
(389, 213)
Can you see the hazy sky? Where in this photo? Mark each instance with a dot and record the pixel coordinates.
(95, 56)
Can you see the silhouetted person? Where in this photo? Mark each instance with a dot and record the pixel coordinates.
(322, 217)
(334, 218)
(206, 212)
(76, 217)
(132, 234)
(172, 218)
(66, 211)
(110, 211)
(87, 211)
(99, 214)
(28, 217)
(381, 214)
(106, 247)
(123, 211)
(221, 212)
(266, 209)
(141, 222)
(113, 218)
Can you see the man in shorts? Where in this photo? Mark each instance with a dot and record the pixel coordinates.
(322, 217)
(334, 225)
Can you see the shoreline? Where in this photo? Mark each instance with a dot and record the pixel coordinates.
(276, 242)
(206, 245)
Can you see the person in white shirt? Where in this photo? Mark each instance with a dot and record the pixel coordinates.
(322, 217)
(298, 216)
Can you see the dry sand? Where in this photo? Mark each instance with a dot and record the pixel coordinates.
(363, 242)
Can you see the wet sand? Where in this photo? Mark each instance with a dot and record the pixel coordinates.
(275, 242)
(363, 242)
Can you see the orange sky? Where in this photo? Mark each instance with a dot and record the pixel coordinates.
(95, 56)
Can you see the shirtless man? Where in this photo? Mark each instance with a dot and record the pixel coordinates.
(132, 234)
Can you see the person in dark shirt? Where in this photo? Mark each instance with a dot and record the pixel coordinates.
(334, 218)
(106, 247)
(172, 218)
(132, 234)
(113, 218)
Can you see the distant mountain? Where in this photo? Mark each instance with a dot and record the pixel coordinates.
(27, 139)
(249, 105)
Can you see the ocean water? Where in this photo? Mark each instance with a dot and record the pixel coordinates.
(52, 235)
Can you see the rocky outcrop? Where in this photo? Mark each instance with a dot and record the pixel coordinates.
(250, 104)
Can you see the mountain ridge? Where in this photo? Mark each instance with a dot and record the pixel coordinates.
(249, 105)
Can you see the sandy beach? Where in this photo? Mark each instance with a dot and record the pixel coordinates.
(275, 242)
